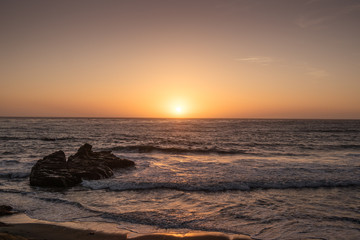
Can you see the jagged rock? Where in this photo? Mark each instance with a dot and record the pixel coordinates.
(54, 171)
(5, 210)
(3, 225)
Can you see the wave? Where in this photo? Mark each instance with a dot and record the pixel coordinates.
(353, 155)
(330, 131)
(9, 138)
(343, 219)
(303, 146)
(49, 139)
(13, 175)
(46, 139)
(49, 199)
(256, 149)
(230, 186)
(66, 202)
(341, 147)
(7, 153)
(175, 150)
(8, 162)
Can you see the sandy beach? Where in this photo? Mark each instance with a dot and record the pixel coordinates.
(36, 231)
(20, 227)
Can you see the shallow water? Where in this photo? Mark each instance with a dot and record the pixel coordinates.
(270, 179)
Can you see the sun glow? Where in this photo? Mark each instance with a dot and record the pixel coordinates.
(178, 110)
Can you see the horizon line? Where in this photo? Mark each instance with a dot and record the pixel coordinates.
(181, 118)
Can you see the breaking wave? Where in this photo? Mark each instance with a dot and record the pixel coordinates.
(230, 186)
(13, 175)
(176, 150)
(45, 139)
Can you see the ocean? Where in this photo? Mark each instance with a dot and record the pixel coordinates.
(269, 179)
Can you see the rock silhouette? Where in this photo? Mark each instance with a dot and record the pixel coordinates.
(54, 171)
(5, 210)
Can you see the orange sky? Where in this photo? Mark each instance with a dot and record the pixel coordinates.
(214, 58)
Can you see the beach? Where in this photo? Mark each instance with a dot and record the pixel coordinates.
(12, 229)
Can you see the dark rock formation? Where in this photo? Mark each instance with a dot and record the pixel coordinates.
(3, 225)
(5, 210)
(54, 171)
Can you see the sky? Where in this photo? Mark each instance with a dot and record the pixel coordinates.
(180, 58)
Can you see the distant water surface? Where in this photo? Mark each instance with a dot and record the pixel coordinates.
(270, 179)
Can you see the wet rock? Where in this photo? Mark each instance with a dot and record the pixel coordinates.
(3, 225)
(5, 210)
(95, 165)
(54, 171)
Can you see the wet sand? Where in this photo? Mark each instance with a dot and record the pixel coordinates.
(48, 231)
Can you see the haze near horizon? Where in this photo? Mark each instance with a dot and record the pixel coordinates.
(158, 58)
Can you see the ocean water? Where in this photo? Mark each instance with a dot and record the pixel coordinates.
(269, 179)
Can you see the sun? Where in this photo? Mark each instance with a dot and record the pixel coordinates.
(178, 110)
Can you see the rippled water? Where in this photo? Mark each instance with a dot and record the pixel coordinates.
(271, 179)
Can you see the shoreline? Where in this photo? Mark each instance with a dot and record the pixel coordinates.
(21, 227)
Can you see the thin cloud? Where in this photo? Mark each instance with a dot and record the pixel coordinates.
(320, 19)
(257, 60)
(309, 2)
(318, 73)
(304, 22)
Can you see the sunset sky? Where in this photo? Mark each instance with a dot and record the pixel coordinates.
(180, 58)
